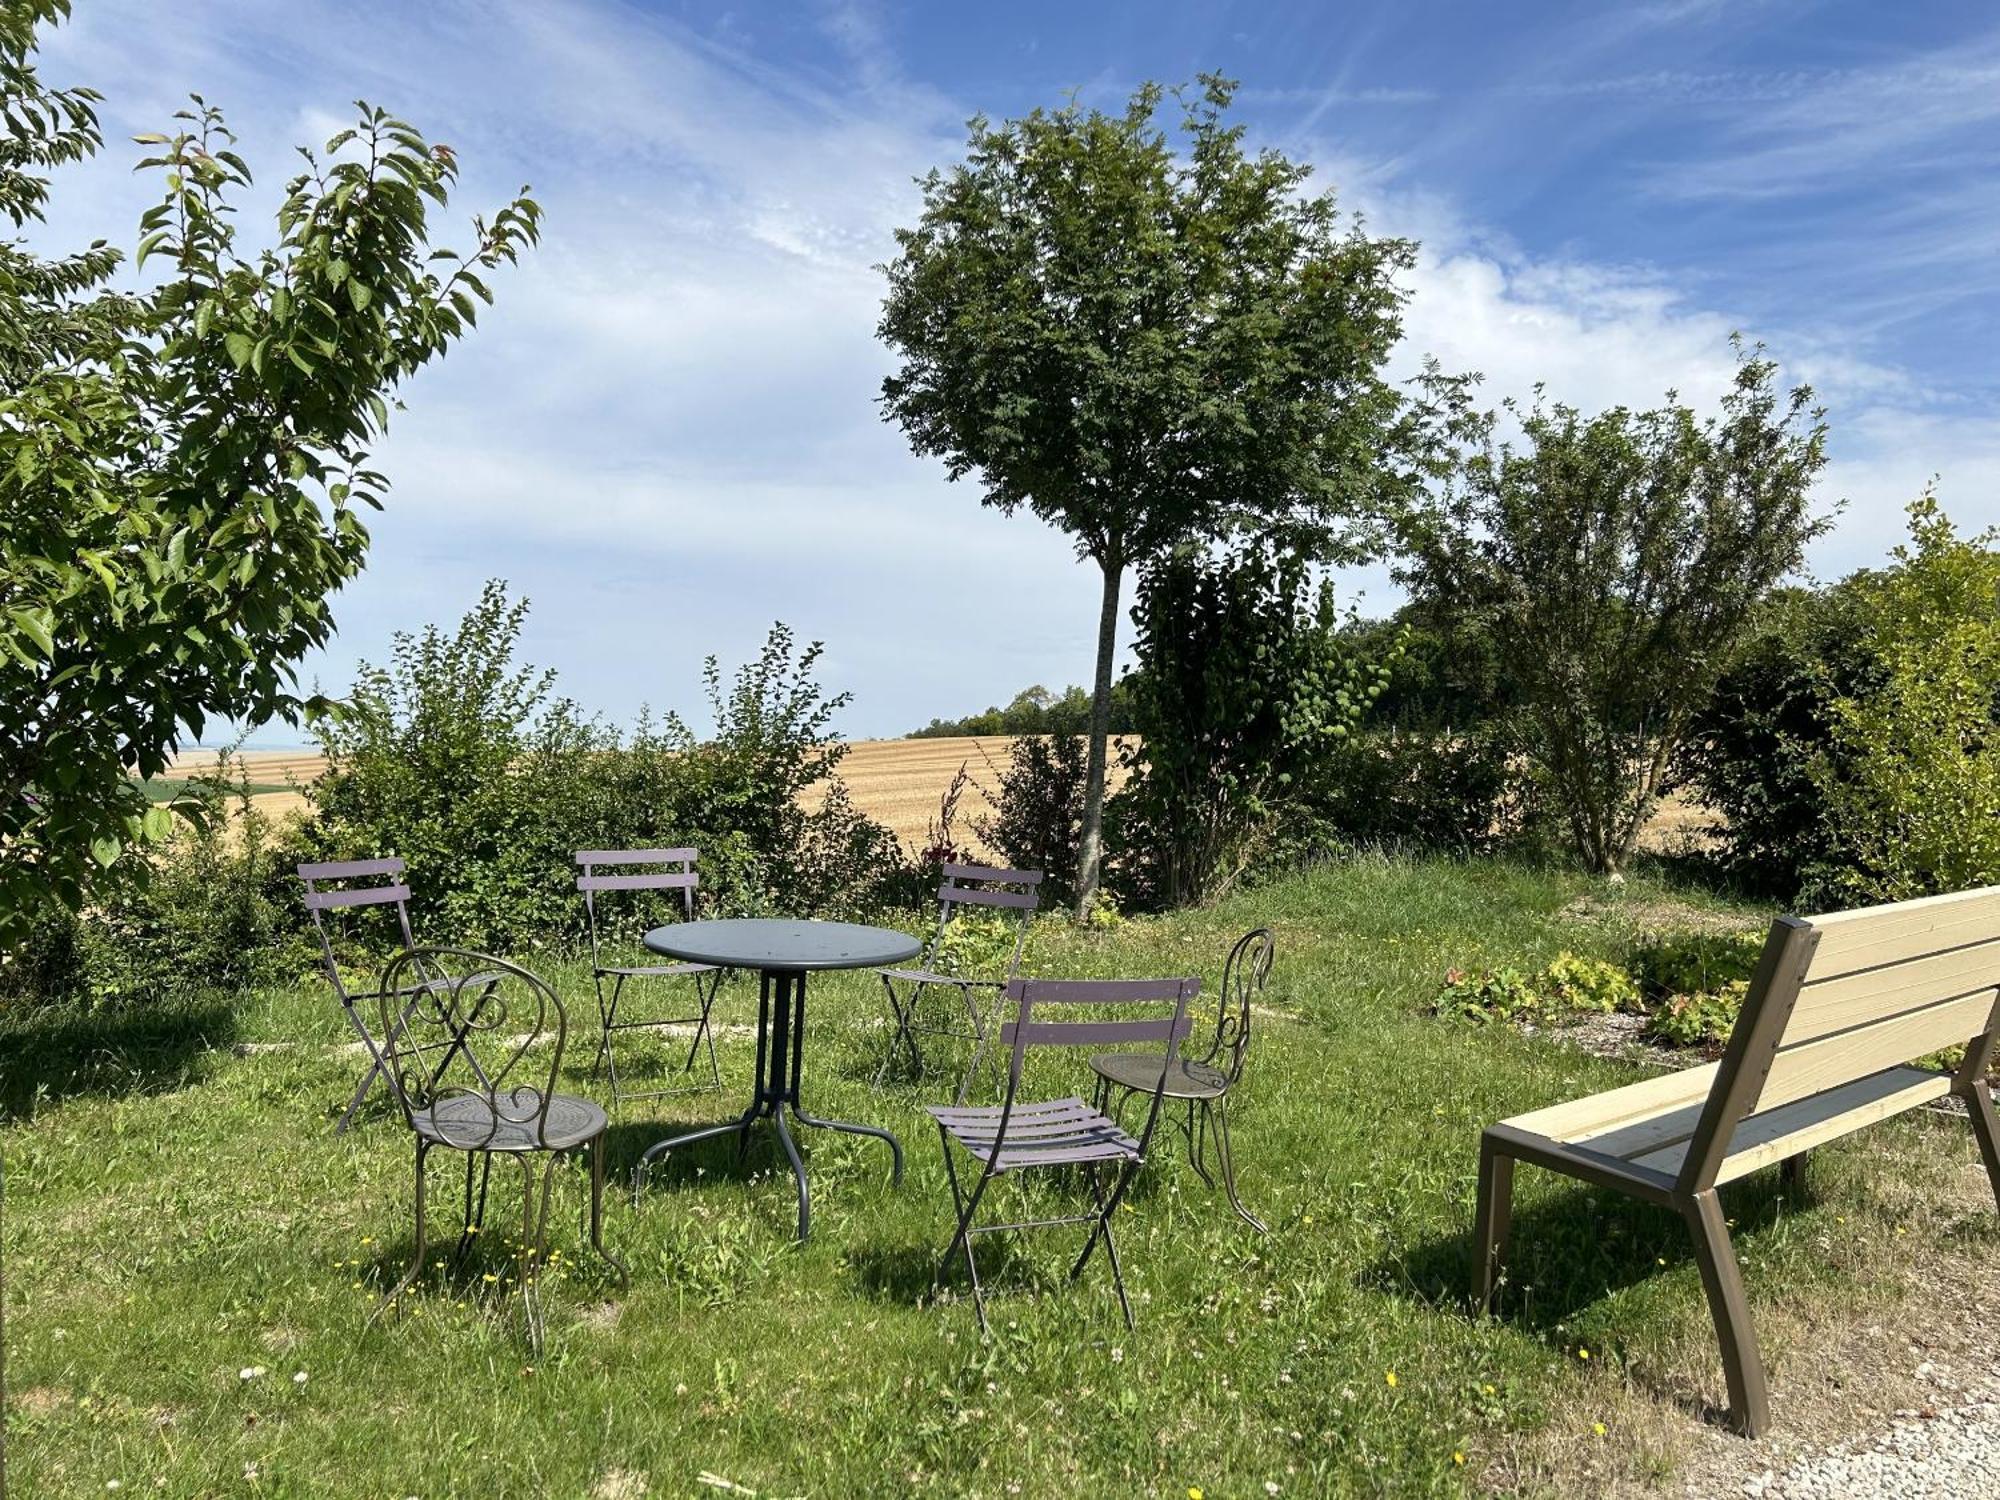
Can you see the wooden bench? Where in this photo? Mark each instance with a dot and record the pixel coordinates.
(1837, 1010)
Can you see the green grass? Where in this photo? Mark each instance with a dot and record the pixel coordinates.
(166, 788)
(180, 1211)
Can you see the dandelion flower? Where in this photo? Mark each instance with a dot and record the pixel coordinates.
(1457, 1457)
(1582, 1353)
(1194, 1492)
(1598, 1428)
(1390, 1376)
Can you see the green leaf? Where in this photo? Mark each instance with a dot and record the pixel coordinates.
(105, 849)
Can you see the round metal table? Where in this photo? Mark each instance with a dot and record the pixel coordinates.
(782, 952)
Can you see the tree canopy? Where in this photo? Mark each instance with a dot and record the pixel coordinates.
(1147, 339)
(183, 465)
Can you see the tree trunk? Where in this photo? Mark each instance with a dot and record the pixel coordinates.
(1091, 856)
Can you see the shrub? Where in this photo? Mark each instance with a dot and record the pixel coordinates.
(1754, 750)
(486, 783)
(1452, 793)
(1912, 775)
(1246, 690)
(1575, 983)
(1695, 962)
(1037, 818)
(1697, 1020)
(1481, 995)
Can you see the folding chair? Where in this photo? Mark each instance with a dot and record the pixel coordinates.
(623, 875)
(963, 885)
(1062, 1132)
(328, 889)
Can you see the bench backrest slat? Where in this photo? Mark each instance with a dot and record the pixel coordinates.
(1841, 997)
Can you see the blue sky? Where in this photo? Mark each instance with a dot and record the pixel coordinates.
(666, 435)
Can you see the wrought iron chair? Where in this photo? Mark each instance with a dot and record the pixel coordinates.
(623, 876)
(329, 887)
(963, 885)
(489, 1015)
(1204, 1082)
(1062, 1132)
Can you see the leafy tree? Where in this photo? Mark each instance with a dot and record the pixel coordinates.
(1911, 776)
(183, 467)
(1036, 710)
(1145, 345)
(1615, 563)
(1246, 690)
(1037, 818)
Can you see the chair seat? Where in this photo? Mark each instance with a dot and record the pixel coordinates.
(655, 971)
(1050, 1132)
(931, 976)
(1643, 1130)
(478, 1122)
(1141, 1071)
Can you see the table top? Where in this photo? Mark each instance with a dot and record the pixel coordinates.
(783, 943)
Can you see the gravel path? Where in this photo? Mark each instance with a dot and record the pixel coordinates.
(1942, 1452)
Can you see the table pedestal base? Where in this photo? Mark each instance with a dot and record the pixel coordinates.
(781, 1027)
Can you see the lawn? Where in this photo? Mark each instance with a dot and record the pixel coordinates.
(179, 1212)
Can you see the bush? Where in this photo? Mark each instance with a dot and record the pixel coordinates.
(1575, 983)
(1037, 819)
(1697, 1020)
(1695, 962)
(1570, 986)
(486, 783)
(1481, 995)
(1451, 793)
(1246, 691)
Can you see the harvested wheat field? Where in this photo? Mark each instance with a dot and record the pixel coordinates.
(897, 782)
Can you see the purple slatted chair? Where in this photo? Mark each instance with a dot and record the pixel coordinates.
(330, 887)
(963, 885)
(501, 1023)
(606, 870)
(1062, 1132)
(1204, 1080)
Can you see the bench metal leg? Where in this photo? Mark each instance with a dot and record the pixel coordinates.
(1986, 1129)
(1792, 1174)
(1742, 1365)
(1491, 1219)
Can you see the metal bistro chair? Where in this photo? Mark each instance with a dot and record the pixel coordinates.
(1062, 1132)
(1204, 1082)
(328, 888)
(963, 885)
(490, 1014)
(623, 877)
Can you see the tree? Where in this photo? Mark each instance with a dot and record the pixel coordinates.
(1246, 689)
(1145, 346)
(1615, 562)
(182, 467)
(1911, 772)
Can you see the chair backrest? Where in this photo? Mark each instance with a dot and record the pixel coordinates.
(1041, 1013)
(330, 887)
(460, 1062)
(635, 870)
(1841, 997)
(1243, 979)
(1017, 891)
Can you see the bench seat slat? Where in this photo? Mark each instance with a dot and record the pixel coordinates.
(1767, 1139)
(1580, 1119)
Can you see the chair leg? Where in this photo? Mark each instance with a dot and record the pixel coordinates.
(534, 1243)
(1742, 1366)
(962, 1238)
(979, 1032)
(475, 1213)
(1196, 1131)
(1225, 1149)
(416, 1256)
(902, 1019)
(1491, 1219)
(1105, 1209)
(596, 1149)
(1986, 1130)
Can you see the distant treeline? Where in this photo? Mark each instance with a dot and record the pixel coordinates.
(1437, 683)
(1036, 710)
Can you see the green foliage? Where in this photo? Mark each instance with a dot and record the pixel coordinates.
(1245, 692)
(1459, 793)
(473, 770)
(1148, 340)
(1758, 752)
(1481, 995)
(203, 912)
(1911, 777)
(1036, 710)
(1696, 962)
(1615, 562)
(1037, 818)
(1573, 982)
(1697, 1020)
(182, 466)
(976, 945)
